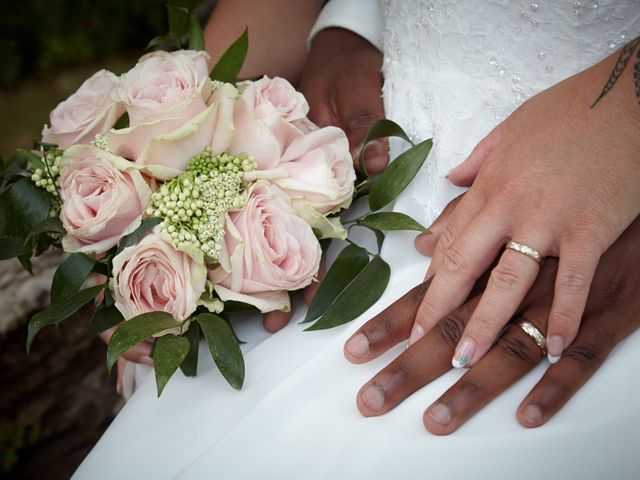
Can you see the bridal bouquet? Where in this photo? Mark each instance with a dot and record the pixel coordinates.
(193, 197)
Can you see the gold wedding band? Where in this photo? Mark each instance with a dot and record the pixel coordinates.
(524, 249)
(535, 334)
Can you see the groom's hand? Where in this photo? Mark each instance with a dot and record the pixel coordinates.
(342, 82)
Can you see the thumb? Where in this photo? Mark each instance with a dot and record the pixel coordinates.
(464, 174)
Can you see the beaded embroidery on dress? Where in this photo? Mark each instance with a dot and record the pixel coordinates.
(454, 70)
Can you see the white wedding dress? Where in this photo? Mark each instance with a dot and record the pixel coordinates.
(453, 70)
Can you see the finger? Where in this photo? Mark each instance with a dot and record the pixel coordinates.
(311, 290)
(508, 284)
(600, 332)
(463, 214)
(514, 355)
(418, 365)
(386, 329)
(121, 364)
(141, 353)
(462, 264)
(577, 265)
(274, 321)
(464, 174)
(426, 242)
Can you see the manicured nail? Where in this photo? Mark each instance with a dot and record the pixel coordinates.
(555, 346)
(464, 353)
(146, 360)
(440, 413)
(532, 414)
(373, 397)
(358, 345)
(416, 333)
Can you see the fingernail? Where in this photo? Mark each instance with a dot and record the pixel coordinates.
(358, 345)
(532, 414)
(416, 334)
(373, 397)
(146, 360)
(464, 353)
(555, 346)
(440, 413)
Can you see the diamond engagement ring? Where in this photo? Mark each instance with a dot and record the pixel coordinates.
(528, 251)
(535, 334)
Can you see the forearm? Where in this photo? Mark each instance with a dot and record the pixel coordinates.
(277, 47)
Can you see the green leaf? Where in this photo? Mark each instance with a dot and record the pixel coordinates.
(11, 247)
(50, 225)
(134, 331)
(379, 239)
(232, 306)
(223, 347)
(169, 351)
(395, 178)
(25, 261)
(190, 364)
(31, 158)
(230, 64)
(381, 129)
(387, 221)
(104, 319)
(160, 41)
(70, 276)
(137, 235)
(196, 37)
(348, 264)
(22, 207)
(358, 297)
(60, 311)
(123, 121)
(178, 22)
(15, 167)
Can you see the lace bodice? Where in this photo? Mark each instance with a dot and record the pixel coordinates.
(456, 69)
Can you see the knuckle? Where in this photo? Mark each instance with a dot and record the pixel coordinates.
(564, 316)
(403, 374)
(450, 329)
(559, 384)
(447, 238)
(454, 260)
(519, 349)
(471, 388)
(573, 281)
(386, 324)
(587, 355)
(427, 312)
(504, 277)
(359, 120)
(417, 294)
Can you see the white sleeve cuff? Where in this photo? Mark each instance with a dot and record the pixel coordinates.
(359, 16)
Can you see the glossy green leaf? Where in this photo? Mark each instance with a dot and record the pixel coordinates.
(50, 225)
(60, 311)
(70, 276)
(387, 221)
(22, 207)
(134, 331)
(190, 364)
(169, 351)
(104, 319)
(395, 178)
(379, 239)
(358, 297)
(223, 347)
(34, 160)
(137, 235)
(347, 265)
(178, 22)
(163, 40)
(25, 261)
(381, 129)
(230, 64)
(11, 247)
(196, 37)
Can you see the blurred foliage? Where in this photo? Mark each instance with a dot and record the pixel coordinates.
(37, 36)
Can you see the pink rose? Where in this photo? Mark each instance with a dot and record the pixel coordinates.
(103, 198)
(268, 251)
(88, 112)
(265, 117)
(174, 112)
(320, 170)
(152, 276)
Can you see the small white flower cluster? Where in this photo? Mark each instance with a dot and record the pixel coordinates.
(195, 203)
(100, 141)
(47, 177)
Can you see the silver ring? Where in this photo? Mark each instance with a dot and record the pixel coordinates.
(524, 249)
(535, 334)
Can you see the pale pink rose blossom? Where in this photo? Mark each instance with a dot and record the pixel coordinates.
(267, 115)
(268, 251)
(320, 170)
(91, 110)
(103, 198)
(174, 112)
(152, 276)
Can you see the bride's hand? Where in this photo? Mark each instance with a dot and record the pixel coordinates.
(612, 313)
(343, 85)
(561, 175)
